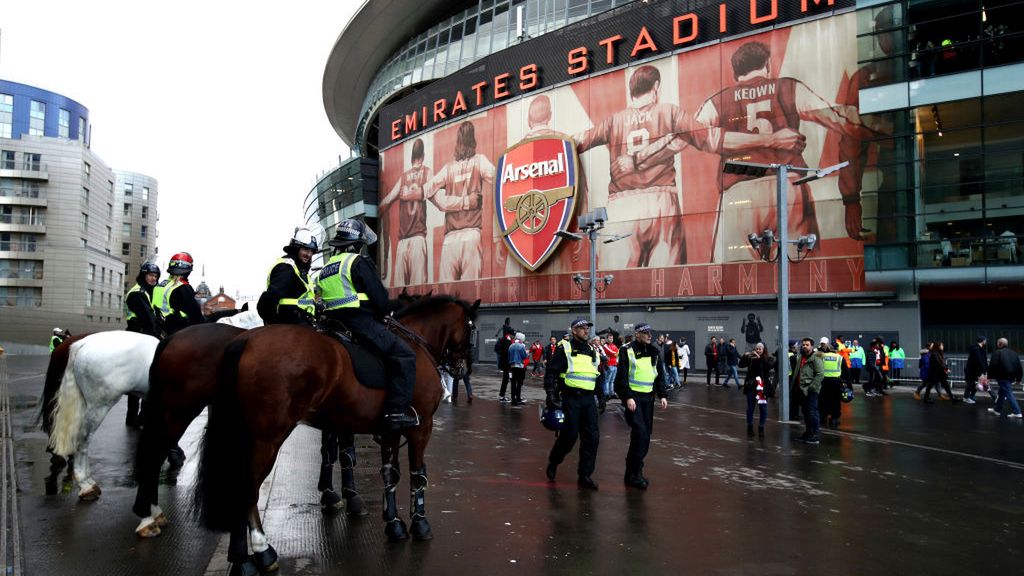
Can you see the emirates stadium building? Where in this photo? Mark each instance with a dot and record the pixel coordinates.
(484, 130)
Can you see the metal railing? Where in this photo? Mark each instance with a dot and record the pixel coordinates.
(22, 219)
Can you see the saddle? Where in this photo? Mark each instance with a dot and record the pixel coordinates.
(368, 365)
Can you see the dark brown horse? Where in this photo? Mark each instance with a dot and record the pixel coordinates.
(276, 376)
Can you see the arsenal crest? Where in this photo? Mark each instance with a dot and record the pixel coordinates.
(535, 196)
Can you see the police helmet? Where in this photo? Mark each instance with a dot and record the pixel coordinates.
(553, 419)
(351, 231)
(847, 394)
(57, 331)
(180, 264)
(149, 268)
(303, 238)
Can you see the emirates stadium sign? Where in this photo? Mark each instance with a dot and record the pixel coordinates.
(535, 196)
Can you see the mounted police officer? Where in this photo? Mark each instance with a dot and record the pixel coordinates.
(58, 337)
(139, 314)
(641, 376)
(353, 294)
(571, 384)
(288, 298)
(174, 299)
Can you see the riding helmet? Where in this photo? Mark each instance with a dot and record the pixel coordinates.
(149, 267)
(351, 231)
(180, 264)
(303, 238)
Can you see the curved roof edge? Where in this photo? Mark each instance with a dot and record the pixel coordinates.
(378, 28)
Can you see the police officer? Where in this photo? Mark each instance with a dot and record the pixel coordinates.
(139, 314)
(174, 299)
(830, 405)
(57, 338)
(288, 298)
(571, 384)
(353, 294)
(641, 376)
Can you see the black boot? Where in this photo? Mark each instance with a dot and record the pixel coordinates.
(750, 430)
(398, 421)
(760, 431)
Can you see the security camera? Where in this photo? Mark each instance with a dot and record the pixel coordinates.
(600, 215)
(755, 241)
(812, 241)
(608, 279)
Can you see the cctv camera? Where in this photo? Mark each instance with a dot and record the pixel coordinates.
(600, 215)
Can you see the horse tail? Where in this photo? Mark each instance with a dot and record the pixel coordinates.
(54, 376)
(225, 469)
(69, 412)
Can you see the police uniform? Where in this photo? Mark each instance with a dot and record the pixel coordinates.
(175, 300)
(138, 308)
(55, 341)
(830, 404)
(572, 376)
(288, 298)
(640, 377)
(353, 294)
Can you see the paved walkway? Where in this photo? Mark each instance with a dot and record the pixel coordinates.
(903, 488)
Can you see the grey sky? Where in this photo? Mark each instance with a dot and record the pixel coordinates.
(219, 101)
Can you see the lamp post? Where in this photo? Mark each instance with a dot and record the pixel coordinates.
(764, 244)
(590, 225)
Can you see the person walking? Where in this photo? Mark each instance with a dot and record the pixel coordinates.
(857, 360)
(570, 384)
(732, 361)
(1004, 367)
(464, 377)
(711, 358)
(671, 354)
(611, 351)
(537, 357)
(830, 404)
(684, 358)
(756, 386)
(922, 369)
(977, 365)
(501, 349)
(938, 373)
(809, 373)
(897, 361)
(796, 396)
(517, 355)
(642, 377)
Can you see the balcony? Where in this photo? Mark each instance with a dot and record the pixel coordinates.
(948, 261)
(34, 223)
(19, 249)
(25, 170)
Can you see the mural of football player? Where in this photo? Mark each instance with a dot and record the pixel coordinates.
(457, 191)
(411, 254)
(758, 119)
(643, 142)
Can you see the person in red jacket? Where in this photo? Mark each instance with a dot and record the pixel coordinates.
(536, 354)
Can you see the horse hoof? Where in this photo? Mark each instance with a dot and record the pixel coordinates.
(421, 530)
(395, 531)
(266, 561)
(91, 493)
(150, 529)
(354, 506)
(244, 568)
(330, 500)
(161, 520)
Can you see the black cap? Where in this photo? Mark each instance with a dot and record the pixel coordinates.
(982, 339)
(642, 327)
(581, 321)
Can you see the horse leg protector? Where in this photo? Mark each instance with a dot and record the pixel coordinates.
(266, 561)
(244, 568)
(394, 527)
(328, 456)
(354, 505)
(420, 526)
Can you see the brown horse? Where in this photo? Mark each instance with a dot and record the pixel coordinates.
(182, 382)
(276, 376)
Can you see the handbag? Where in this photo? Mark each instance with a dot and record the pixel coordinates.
(982, 383)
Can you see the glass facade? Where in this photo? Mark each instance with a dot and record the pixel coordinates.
(468, 35)
(951, 168)
(6, 115)
(348, 191)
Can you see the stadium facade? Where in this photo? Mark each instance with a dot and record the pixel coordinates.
(456, 121)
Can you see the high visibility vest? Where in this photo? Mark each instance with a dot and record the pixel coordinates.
(831, 360)
(642, 373)
(857, 358)
(581, 371)
(305, 301)
(845, 353)
(54, 342)
(898, 358)
(162, 297)
(128, 314)
(335, 283)
(885, 361)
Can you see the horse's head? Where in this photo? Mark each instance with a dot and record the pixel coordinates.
(448, 325)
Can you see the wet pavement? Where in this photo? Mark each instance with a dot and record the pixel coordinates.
(901, 488)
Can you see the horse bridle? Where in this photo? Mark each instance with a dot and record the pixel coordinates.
(443, 359)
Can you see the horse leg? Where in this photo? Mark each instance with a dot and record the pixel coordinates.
(263, 554)
(242, 564)
(150, 456)
(394, 527)
(354, 505)
(329, 499)
(417, 515)
(88, 488)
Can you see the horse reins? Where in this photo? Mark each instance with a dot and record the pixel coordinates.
(439, 359)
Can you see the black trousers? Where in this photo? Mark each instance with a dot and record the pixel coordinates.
(400, 359)
(505, 375)
(580, 422)
(713, 368)
(830, 403)
(518, 375)
(641, 424)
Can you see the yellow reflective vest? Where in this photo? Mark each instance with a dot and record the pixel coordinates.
(582, 369)
(641, 372)
(335, 283)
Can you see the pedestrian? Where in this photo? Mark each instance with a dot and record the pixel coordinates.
(464, 377)
(897, 361)
(830, 402)
(809, 373)
(977, 365)
(684, 357)
(671, 355)
(757, 386)
(722, 366)
(602, 364)
(517, 357)
(611, 351)
(570, 383)
(501, 350)
(1004, 367)
(711, 358)
(876, 358)
(796, 396)
(856, 363)
(549, 350)
(732, 361)
(537, 356)
(938, 373)
(642, 378)
(922, 369)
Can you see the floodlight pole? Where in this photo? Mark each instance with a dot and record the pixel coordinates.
(782, 360)
(592, 235)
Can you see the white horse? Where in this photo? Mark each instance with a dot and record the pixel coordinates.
(101, 368)
(245, 320)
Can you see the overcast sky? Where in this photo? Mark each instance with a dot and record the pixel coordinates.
(221, 102)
